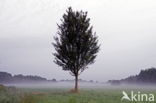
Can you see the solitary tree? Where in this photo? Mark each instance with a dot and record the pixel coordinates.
(75, 44)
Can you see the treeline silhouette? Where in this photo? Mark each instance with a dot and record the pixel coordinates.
(147, 76)
(9, 78)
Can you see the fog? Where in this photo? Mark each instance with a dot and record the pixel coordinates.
(57, 85)
(126, 31)
(82, 85)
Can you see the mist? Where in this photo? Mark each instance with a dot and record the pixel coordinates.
(82, 85)
(126, 31)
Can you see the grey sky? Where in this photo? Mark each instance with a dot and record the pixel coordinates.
(126, 31)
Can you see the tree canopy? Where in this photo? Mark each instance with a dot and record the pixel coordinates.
(75, 43)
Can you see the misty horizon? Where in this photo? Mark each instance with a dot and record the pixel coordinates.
(125, 29)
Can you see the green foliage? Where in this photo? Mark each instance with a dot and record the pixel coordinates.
(76, 45)
(9, 95)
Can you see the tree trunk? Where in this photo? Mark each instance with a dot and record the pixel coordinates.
(76, 83)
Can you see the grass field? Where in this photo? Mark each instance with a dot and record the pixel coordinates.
(62, 95)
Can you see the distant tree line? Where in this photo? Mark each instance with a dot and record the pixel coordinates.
(147, 76)
(6, 78)
(9, 78)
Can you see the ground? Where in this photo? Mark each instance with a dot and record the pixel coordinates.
(63, 95)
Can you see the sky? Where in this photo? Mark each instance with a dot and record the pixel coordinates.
(126, 30)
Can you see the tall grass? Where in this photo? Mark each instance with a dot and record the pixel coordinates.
(9, 95)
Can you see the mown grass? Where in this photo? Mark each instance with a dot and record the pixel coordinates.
(56, 95)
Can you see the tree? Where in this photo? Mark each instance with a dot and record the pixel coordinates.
(75, 43)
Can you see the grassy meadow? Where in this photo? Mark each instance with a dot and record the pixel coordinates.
(63, 95)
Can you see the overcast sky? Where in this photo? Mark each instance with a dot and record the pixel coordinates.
(126, 31)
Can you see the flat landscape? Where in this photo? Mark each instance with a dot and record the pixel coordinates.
(77, 51)
(107, 94)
